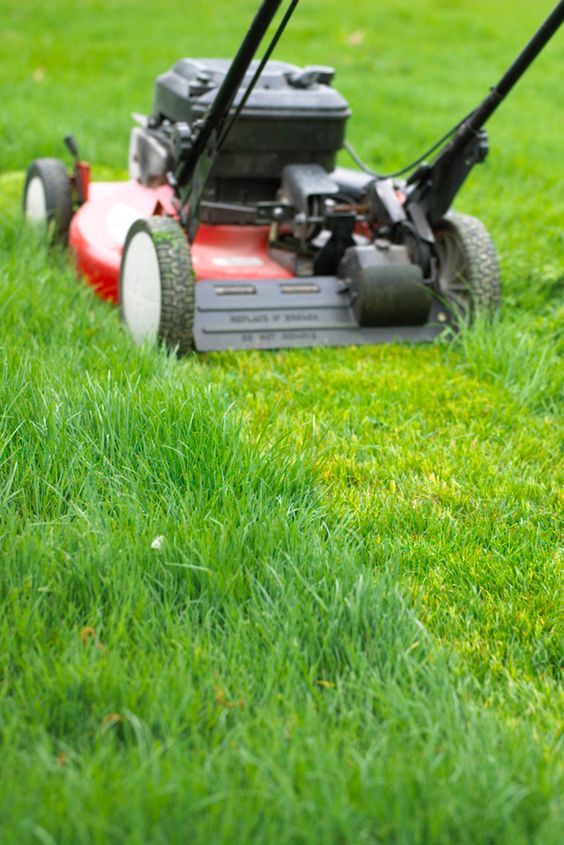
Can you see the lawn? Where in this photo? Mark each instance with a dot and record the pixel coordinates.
(294, 597)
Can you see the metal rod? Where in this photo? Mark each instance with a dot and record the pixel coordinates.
(432, 188)
(227, 92)
(262, 64)
(500, 91)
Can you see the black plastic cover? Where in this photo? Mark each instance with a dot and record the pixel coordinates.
(292, 116)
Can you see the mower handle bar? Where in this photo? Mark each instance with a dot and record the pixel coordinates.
(434, 186)
(432, 190)
(223, 101)
(499, 92)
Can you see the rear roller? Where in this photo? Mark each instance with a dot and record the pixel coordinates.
(47, 197)
(156, 284)
(469, 281)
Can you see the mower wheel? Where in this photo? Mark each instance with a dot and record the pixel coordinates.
(156, 284)
(47, 196)
(468, 271)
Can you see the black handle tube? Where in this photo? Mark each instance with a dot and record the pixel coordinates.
(231, 84)
(262, 64)
(433, 187)
(532, 49)
(500, 91)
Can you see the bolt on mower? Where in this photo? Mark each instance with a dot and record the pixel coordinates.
(237, 229)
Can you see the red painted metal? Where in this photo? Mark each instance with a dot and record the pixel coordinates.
(83, 172)
(99, 227)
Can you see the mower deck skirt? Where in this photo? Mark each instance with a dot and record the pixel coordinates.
(282, 313)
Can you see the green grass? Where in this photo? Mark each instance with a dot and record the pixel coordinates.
(350, 629)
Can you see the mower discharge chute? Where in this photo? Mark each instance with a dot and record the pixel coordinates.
(238, 231)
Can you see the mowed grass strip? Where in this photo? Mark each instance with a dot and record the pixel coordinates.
(295, 597)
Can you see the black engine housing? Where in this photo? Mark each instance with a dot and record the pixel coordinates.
(293, 116)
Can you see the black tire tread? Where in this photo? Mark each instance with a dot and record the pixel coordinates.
(177, 281)
(58, 193)
(482, 273)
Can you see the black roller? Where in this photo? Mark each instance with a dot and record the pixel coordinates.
(386, 288)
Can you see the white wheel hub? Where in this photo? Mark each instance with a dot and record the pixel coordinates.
(141, 288)
(36, 201)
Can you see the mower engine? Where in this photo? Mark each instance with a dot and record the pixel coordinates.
(292, 117)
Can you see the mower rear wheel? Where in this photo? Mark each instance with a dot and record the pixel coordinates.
(468, 270)
(47, 196)
(156, 284)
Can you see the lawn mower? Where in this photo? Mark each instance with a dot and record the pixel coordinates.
(237, 230)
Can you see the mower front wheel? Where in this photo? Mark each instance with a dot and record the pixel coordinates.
(468, 270)
(156, 284)
(47, 196)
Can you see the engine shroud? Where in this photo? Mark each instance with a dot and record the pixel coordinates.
(293, 116)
